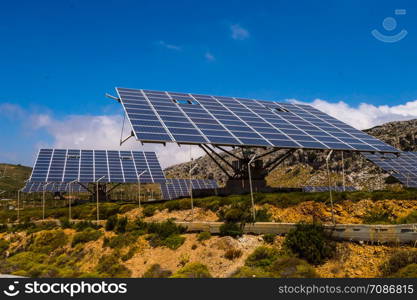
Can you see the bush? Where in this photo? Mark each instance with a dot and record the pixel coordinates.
(80, 226)
(397, 261)
(269, 238)
(233, 254)
(292, 267)
(248, 272)
(263, 215)
(4, 245)
(409, 271)
(262, 257)
(121, 225)
(378, 216)
(193, 270)
(111, 223)
(174, 241)
(155, 271)
(85, 236)
(149, 211)
(204, 236)
(48, 241)
(411, 218)
(165, 229)
(109, 266)
(230, 229)
(310, 242)
(121, 240)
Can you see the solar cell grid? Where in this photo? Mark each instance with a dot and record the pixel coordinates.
(37, 187)
(65, 165)
(177, 188)
(203, 119)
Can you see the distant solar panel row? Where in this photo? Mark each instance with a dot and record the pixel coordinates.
(402, 167)
(65, 165)
(313, 189)
(36, 187)
(200, 119)
(177, 188)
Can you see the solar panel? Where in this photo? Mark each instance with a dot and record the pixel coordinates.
(313, 189)
(36, 187)
(403, 167)
(157, 116)
(66, 165)
(177, 188)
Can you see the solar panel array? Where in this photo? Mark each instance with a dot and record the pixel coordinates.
(313, 189)
(36, 187)
(177, 188)
(66, 165)
(162, 117)
(402, 167)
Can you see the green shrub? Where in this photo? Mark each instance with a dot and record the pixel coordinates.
(165, 229)
(109, 266)
(80, 226)
(230, 229)
(262, 257)
(204, 236)
(149, 211)
(378, 216)
(397, 261)
(155, 271)
(269, 238)
(85, 236)
(121, 225)
(411, 218)
(4, 245)
(292, 267)
(409, 271)
(121, 240)
(248, 272)
(262, 215)
(233, 254)
(174, 241)
(48, 241)
(111, 223)
(310, 242)
(193, 270)
(129, 254)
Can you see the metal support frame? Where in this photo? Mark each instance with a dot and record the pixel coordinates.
(69, 198)
(43, 200)
(267, 153)
(113, 188)
(140, 174)
(220, 157)
(215, 161)
(251, 189)
(98, 214)
(330, 188)
(278, 160)
(191, 192)
(228, 152)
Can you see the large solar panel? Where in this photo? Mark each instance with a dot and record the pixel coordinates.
(177, 188)
(314, 189)
(66, 165)
(403, 167)
(36, 187)
(157, 116)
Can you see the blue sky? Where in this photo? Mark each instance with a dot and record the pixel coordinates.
(58, 58)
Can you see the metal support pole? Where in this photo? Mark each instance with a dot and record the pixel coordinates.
(191, 194)
(251, 189)
(139, 175)
(98, 214)
(43, 201)
(330, 182)
(70, 189)
(343, 174)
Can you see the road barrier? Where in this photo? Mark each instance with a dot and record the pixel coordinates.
(406, 233)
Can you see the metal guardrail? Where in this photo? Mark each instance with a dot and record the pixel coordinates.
(406, 233)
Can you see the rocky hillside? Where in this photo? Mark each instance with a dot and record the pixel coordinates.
(12, 177)
(309, 167)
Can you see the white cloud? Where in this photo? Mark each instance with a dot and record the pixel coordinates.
(11, 111)
(366, 115)
(169, 46)
(238, 32)
(209, 56)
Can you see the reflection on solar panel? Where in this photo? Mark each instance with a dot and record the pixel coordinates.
(200, 119)
(312, 189)
(35, 187)
(177, 188)
(66, 165)
(402, 167)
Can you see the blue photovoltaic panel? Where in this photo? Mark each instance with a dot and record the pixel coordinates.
(200, 119)
(66, 165)
(402, 166)
(36, 187)
(177, 188)
(312, 189)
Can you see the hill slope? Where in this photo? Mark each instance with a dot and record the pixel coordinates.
(15, 175)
